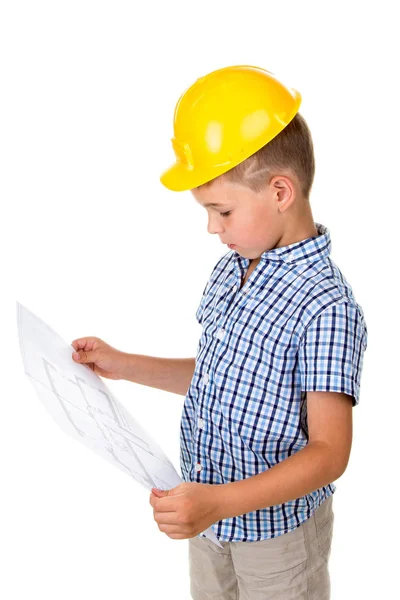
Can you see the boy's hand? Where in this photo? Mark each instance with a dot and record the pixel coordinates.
(186, 510)
(100, 357)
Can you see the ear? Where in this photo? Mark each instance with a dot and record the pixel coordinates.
(284, 191)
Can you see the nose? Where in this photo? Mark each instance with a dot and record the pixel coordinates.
(214, 225)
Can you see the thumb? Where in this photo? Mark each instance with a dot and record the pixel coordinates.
(84, 357)
(176, 491)
(160, 493)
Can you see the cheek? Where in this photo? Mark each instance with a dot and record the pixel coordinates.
(252, 225)
(262, 222)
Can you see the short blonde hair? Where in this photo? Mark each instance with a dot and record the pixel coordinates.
(291, 149)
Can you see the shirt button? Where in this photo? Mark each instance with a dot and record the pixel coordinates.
(206, 378)
(198, 467)
(200, 423)
(221, 334)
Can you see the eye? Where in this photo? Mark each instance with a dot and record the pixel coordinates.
(226, 214)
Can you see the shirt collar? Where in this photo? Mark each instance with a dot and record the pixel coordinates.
(309, 250)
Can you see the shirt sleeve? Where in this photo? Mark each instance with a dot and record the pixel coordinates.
(332, 349)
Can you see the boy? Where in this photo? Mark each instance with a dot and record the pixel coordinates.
(267, 420)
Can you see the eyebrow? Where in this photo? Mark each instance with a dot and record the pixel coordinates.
(214, 204)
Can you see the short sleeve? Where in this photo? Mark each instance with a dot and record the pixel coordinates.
(332, 349)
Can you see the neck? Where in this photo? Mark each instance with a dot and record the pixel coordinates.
(299, 226)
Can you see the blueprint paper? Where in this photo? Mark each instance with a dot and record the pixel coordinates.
(83, 406)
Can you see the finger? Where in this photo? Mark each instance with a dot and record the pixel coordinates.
(173, 530)
(167, 504)
(75, 344)
(85, 343)
(153, 499)
(166, 518)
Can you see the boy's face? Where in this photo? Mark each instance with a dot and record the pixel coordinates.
(253, 222)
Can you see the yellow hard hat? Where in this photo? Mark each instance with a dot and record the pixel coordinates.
(224, 118)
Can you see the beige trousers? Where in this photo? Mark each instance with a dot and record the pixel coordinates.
(293, 566)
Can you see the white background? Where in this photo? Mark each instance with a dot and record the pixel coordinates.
(94, 244)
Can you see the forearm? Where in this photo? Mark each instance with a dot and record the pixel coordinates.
(168, 374)
(303, 472)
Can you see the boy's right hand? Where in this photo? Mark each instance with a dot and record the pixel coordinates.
(103, 359)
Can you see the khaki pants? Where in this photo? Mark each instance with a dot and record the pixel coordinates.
(293, 566)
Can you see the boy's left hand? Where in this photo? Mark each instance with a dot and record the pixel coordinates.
(187, 509)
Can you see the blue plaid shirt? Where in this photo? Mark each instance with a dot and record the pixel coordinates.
(294, 327)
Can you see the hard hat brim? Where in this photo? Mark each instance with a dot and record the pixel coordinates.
(180, 178)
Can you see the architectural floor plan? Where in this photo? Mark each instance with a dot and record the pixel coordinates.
(83, 406)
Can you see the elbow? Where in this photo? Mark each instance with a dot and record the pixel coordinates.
(335, 460)
(338, 464)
